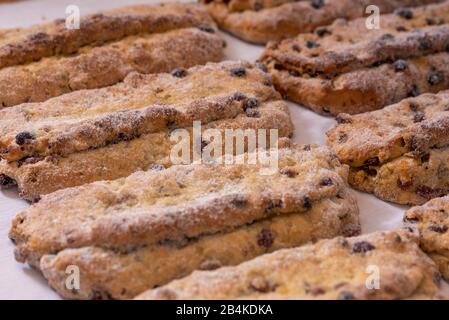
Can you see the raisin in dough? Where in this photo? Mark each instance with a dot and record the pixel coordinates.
(85, 136)
(431, 221)
(330, 269)
(135, 233)
(347, 68)
(399, 153)
(260, 21)
(48, 60)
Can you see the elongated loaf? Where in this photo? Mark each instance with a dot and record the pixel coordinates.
(48, 60)
(399, 153)
(340, 268)
(260, 21)
(112, 132)
(135, 233)
(347, 68)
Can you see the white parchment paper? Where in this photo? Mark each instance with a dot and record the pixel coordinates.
(18, 281)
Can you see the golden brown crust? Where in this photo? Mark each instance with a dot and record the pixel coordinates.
(348, 45)
(156, 196)
(431, 222)
(347, 68)
(398, 153)
(408, 179)
(48, 60)
(330, 269)
(194, 213)
(157, 265)
(366, 89)
(37, 176)
(260, 21)
(19, 46)
(100, 66)
(141, 104)
(412, 125)
(255, 5)
(222, 98)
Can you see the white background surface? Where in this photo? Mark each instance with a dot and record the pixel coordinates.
(18, 281)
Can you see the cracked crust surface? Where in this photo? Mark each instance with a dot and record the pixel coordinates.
(398, 153)
(260, 21)
(42, 175)
(187, 41)
(407, 180)
(141, 104)
(83, 136)
(329, 269)
(106, 65)
(431, 222)
(20, 46)
(155, 226)
(347, 68)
